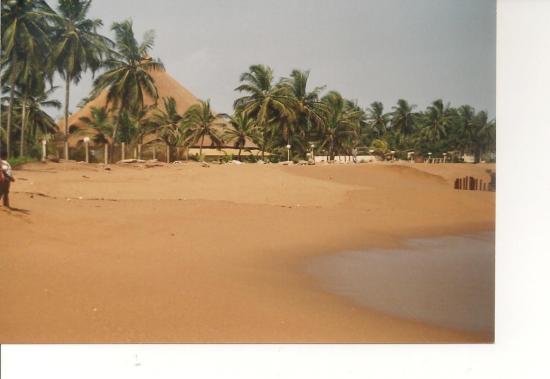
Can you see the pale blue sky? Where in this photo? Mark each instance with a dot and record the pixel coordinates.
(369, 50)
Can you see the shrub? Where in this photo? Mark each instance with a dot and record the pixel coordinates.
(19, 161)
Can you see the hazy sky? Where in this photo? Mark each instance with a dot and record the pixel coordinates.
(369, 50)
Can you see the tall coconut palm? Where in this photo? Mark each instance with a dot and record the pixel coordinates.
(378, 120)
(128, 76)
(437, 118)
(128, 79)
(78, 46)
(485, 134)
(466, 115)
(403, 119)
(342, 120)
(25, 42)
(265, 101)
(30, 105)
(309, 109)
(199, 122)
(36, 117)
(243, 128)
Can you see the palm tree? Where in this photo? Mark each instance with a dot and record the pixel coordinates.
(25, 41)
(77, 46)
(128, 77)
(377, 119)
(133, 126)
(403, 120)
(485, 134)
(38, 120)
(342, 120)
(29, 99)
(438, 118)
(102, 122)
(466, 115)
(309, 109)
(266, 102)
(166, 122)
(199, 122)
(244, 128)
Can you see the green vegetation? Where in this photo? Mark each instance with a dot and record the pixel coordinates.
(270, 113)
(16, 162)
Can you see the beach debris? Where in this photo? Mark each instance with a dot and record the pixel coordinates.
(107, 168)
(236, 162)
(52, 158)
(85, 177)
(303, 163)
(131, 161)
(260, 162)
(205, 165)
(152, 163)
(178, 162)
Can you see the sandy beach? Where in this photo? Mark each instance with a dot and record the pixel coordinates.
(185, 253)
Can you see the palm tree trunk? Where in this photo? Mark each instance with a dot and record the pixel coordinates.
(200, 149)
(23, 121)
(10, 107)
(67, 89)
(264, 142)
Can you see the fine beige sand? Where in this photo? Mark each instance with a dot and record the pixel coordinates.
(184, 253)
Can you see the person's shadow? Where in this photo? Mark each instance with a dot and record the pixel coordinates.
(18, 210)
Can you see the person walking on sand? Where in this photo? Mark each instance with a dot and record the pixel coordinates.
(6, 177)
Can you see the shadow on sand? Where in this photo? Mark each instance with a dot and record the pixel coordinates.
(16, 210)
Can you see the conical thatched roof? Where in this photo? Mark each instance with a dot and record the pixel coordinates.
(166, 87)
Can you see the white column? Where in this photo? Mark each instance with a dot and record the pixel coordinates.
(44, 150)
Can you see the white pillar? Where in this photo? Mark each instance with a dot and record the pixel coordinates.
(123, 152)
(44, 150)
(87, 151)
(66, 150)
(106, 153)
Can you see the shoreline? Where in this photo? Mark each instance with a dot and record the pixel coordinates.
(418, 292)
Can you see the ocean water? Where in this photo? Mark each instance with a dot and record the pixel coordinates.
(445, 281)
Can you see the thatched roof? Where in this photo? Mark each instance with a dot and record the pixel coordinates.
(166, 85)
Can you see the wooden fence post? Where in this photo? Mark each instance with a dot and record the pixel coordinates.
(123, 151)
(106, 153)
(167, 153)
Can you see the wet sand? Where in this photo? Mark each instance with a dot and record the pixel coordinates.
(183, 253)
(445, 281)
